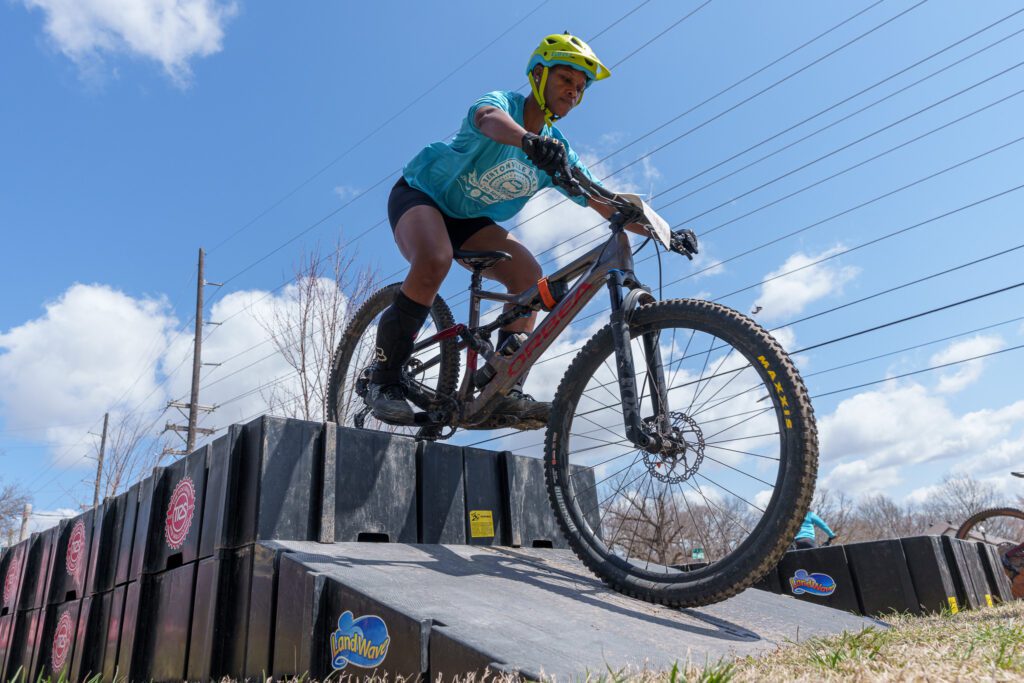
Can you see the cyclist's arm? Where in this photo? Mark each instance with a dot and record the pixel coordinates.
(499, 126)
(820, 523)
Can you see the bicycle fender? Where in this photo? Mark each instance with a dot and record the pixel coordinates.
(634, 299)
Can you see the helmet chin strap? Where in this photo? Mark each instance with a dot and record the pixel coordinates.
(538, 93)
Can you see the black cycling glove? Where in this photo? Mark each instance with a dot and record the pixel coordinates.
(547, 153)
(684, 242)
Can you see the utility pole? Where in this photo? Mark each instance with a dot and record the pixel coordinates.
(197, 362)
(99, 461)
(25, 514)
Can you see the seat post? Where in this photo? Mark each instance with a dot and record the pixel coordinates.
(475, 284)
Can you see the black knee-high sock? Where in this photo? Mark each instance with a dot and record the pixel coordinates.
(396, 333)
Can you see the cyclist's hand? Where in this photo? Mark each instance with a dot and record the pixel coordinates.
(547, 153)
(684, 242)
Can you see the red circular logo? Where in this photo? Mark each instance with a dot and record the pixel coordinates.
(76, 544)
(11, 580)
(179, 513)
(61, 642)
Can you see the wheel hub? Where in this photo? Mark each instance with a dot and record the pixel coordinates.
(682, 449)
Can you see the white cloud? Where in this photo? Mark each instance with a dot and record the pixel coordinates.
(345, 192)
(96, 349)
(790, 294)
(878, 439)
(171, 32)
(960, 376)
(44, 519)
(80, 358)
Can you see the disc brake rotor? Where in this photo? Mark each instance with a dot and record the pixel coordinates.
(681, 462)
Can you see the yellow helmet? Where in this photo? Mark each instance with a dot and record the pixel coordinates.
(567, 49)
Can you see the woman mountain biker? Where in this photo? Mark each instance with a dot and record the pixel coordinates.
(451, 195)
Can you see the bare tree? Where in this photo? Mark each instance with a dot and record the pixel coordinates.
(306, 330)
(12, 501)
(130, 454)
(881, 517)
(960, 497)
(838, 509)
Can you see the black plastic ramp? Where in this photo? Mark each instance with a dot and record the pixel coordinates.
(535, 611)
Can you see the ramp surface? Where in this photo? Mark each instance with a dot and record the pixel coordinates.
(542, 613)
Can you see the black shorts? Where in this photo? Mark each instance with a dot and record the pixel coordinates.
(404, 197)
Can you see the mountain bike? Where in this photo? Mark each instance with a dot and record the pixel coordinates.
(681, 426)
(1002, 527)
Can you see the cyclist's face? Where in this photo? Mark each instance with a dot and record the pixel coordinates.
(564, 88)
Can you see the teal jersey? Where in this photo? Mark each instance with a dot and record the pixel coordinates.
(812, 520)
(473, 176)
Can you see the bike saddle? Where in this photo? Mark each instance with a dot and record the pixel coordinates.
(481, 260)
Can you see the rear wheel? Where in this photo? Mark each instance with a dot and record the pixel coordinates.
(434, 370)
(700, 524)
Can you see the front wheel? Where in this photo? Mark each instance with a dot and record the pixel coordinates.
(702, 523)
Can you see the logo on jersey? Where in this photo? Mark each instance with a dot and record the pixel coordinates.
(510, 179)
(362, 642)
(180, 511)
(76, 545)
(61, 642)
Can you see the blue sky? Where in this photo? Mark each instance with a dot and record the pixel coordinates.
(132, 137)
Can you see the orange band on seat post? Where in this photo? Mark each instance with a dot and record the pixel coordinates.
(545, 293)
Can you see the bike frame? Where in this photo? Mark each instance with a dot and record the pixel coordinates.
(610, 263)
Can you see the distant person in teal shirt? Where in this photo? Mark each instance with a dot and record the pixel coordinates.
(805, 537)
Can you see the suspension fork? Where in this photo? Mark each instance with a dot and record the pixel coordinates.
(635, 429)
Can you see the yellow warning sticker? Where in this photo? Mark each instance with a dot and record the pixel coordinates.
(481, 524)
(952, 605)
(988, 599)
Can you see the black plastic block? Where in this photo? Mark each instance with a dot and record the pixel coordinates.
(6, 633)
(276, 492)
(930, 574)
(770, 582)
(11, 572)
(24, 643)
(91, 637)
(262, 600)
(56, 647)
(452, 660)
(71, 559)
(106, 538)
(375, 491)
(143, 522)
(123, 566)
(36, 575)
(531, 521)
(486, 498)
(441, 494)
(224, 456)
(799, 574)
(134, 604)
(175, 523)
(998, 581)
(112, 634)
(162, 635)
(390, 642)
(967, 580)
(220, 617)
(883, 580)
(297, 592)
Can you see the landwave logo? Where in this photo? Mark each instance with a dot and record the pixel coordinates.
(812, 583)
(362, 642)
